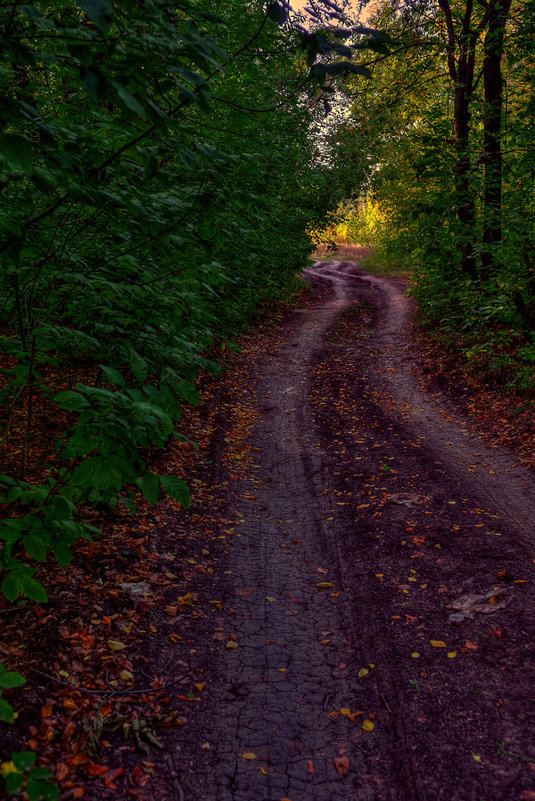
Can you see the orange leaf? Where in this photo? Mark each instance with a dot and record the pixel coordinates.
(471, 645)
(78, 792)
(62, 771)
(341, 764)
(46, 711)
(80, 759)
(171, 610)
(97, 770)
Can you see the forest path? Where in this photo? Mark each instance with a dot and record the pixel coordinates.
(371, 514)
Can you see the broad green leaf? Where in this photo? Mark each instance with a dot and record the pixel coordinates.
(129, 100)
(6, 711)
(114, 375)
(100, 11)
(187, 391)
(150, 486)
(358, 69)
(176, 488)
(62, 553)
(139, 366)
(24, 760)
(17, 150)
(210, 17)
(277, 13)
(14, 782)
(10, 678)
(35, 547)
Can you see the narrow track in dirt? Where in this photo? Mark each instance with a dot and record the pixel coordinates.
(371, 509)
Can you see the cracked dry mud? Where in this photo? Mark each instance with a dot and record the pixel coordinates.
(368, 484)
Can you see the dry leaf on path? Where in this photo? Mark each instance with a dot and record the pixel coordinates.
(342, 765)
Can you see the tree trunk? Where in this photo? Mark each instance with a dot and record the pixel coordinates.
(466, 212)
(492, 155)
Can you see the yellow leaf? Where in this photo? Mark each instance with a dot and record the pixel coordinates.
(371, 665)
(438, 643)
(345, 711)
(324, 585)
(452, 654)
(368, 725)
(8, 767)
(200, 686)
(248, 755)
(415, 655)
(363, 672)
(477, 757)
(115, 645)
(264, 771)
(126, 675)
(271, 599)
(231, 644)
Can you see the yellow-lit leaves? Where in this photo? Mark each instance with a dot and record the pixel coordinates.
(438, 643)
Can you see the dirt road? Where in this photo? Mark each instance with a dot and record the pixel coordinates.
(369, 515)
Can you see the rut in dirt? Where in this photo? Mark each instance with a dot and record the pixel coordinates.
(370, 511)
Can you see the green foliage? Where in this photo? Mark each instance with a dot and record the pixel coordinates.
(406, 190)
(139, 227)
(156, 181)
(8, 680)
(21, 774)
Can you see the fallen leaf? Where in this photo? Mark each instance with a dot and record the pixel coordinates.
(438, 643)
(477, 757)
(452, 654)
(8, 767)
(231, 644)
(368, 725)
(342, 765)
(271, 599)
(471, 645)
(324, 585)
(97, 770)
(115, 645)
(200, 687)
(248, 755)
(363, 672)
(171, 610)
(415, 655)
(310, 766)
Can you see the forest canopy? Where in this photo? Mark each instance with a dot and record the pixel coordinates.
(157, 179)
